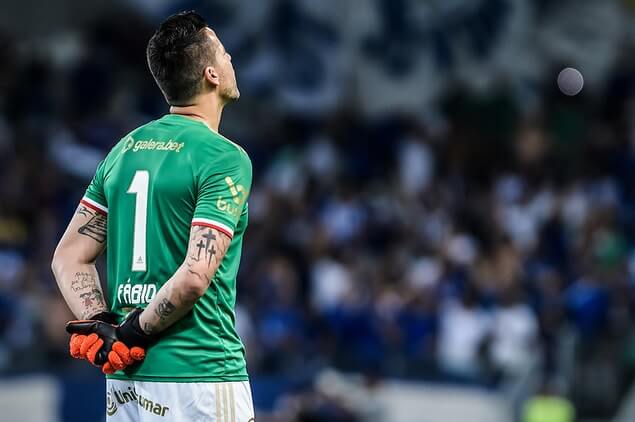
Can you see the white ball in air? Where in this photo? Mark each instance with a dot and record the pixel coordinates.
(570, 81)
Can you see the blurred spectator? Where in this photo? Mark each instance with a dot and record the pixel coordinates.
(514, 334)
(464, 327)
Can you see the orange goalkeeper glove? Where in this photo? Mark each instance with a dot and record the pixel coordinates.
(112, 347)
(81, 344)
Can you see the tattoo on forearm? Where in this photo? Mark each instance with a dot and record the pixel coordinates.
(164, 309)
(96, 228)
(82, 281)
(93, 303)
(92, 299)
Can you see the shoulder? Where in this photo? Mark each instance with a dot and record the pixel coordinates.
(225, 147)
(230, 145)
(221, 151)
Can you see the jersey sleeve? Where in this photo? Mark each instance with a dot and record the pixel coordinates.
(94, 197)
(223, 189)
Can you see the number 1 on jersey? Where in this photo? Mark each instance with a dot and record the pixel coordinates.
(139, 186)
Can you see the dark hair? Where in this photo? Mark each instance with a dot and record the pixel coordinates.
(177, 54)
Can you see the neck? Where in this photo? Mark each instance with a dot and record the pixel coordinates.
(207, 110)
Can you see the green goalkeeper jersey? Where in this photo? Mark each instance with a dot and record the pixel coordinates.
(154, 184)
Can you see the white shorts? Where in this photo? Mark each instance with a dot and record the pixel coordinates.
(140, 401)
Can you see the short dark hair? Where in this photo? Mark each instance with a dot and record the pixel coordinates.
(177, 54)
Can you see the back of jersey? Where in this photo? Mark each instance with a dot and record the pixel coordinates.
(155, 184)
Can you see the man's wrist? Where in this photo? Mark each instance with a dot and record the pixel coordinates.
(131, 332)
(144, 326)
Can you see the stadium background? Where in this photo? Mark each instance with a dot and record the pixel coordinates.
(435, 230)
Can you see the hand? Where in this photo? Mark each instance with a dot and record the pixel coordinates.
(112, 347)
(81, 344)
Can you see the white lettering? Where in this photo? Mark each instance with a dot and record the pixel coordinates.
(126, 293)
(137, 294)
(151, 292)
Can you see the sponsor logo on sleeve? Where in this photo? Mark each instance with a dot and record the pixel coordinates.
(237, 191)
(238, 195)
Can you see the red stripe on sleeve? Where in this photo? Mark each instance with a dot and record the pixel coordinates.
(92, 207)
(213, 226)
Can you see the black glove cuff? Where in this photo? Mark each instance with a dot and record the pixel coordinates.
(130, 332)
(107, 317)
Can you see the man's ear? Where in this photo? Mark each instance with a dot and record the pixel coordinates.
(211, 75)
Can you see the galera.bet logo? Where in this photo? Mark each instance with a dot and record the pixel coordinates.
(128, 144)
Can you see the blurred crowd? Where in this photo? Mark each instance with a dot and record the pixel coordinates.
(456, 236)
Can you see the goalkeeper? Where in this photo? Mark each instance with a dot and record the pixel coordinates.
(169, 205)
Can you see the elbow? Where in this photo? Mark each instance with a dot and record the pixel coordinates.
(63, 258)
(194, 287)
(57, 263)
(66, 256)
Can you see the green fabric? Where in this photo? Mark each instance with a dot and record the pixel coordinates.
(192, 173)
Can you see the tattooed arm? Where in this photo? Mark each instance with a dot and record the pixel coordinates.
(74, 263)
(207, 247)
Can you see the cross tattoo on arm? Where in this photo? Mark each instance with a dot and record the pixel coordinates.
(209, 252)
(200, 245)
(206, 246)
(212, 252)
